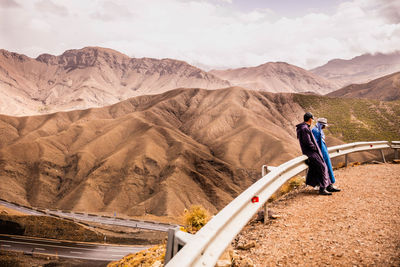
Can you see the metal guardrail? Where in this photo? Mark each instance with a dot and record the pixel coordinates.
(396, 146)
(207, 245)
(88, 217)
(176, 240)
(266, 169)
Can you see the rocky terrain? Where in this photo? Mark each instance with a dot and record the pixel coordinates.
(160, 154)
(277, 77)
(360, 69)
(89, 77)
(150, 154)
(386, 88)
(356, 227)
(96, 77)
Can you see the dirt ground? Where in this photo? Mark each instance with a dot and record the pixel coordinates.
(359, 226)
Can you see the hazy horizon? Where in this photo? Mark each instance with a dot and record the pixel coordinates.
(206, 33)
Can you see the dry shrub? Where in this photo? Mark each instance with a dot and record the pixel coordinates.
(340, 165)
(293, 183)
(349, 164)
(153, 256)
(195, 218)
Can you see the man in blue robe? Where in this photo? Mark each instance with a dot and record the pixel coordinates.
(320, 138)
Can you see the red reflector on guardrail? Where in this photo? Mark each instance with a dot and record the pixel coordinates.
(370, 145)
(254, 199)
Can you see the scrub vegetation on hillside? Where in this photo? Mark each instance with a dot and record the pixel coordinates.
(355, 120)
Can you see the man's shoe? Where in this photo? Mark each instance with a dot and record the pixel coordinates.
(324, 192)
(331, 188)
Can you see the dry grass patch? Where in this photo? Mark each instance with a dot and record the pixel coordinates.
(193, 220)
(152, 257)
(290, 185)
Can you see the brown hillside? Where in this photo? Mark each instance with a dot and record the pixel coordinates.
(385, 88)
(360, 69)
(150, 154)
(89, 77)
(277, 77)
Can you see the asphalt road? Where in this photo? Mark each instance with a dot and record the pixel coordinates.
(66, 249)
(93, 218)
(114, 221)
(21, 209)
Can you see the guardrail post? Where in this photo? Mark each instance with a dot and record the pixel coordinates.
(346, 159)
(383, 156)
(176, 241)
(395, 145)
(265, 169)
(170, 245)
(263, 172)
(265, 213)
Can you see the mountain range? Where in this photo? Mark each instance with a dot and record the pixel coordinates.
(386, 88)
(277, 77)
(89, 77)
(125, 140)
(97, 77)
(159, 154)
(360, 69)
(150, 154)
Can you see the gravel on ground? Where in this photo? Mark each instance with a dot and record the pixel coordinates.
(359, 226)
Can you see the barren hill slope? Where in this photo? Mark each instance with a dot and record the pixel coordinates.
(277, 77)
(156, 154)
(359, 69)
(385, 88)
(89, 77)
(161, 153)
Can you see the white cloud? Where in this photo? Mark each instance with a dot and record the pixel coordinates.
(8, 4)
(47, 6)
(39, 25)
(201, 31)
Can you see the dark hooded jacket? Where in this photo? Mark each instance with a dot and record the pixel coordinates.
(317, 171)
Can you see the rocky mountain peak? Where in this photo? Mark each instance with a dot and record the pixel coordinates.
(85, 57)
(90, 77)
(276, 77)
(13, 56)
(360, 69)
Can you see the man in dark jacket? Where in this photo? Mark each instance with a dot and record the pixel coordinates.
(317, 172)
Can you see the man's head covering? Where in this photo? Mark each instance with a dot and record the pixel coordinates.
(308, 116)
(320, 123)
(323, 121)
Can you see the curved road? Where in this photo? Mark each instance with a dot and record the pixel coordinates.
(92, 218)
(66, 249)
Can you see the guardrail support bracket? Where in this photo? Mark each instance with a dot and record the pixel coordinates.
(383, 156)
(170, 245)
(266, 217)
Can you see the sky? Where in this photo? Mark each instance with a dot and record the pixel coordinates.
(206, 33)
